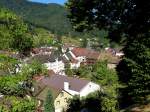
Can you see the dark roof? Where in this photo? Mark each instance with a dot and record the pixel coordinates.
(42, 95)
(55, 55)
(71, 59)
(38, 50)
(46, 58)
(41, 58)
(64, 59)
(57, 82)
(69, 55)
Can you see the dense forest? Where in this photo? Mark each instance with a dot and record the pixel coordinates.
(52, 17)
(49, 16)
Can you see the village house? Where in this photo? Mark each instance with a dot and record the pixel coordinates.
(112, 60)
(67, 47)
(85, 55)
(68, 59)
(52, 62)
(115, 52)
(78, 56)
(64, 88)
(42, 51)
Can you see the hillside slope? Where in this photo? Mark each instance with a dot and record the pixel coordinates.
(50, 16)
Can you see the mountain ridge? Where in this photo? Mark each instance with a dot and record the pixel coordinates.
(51, 16)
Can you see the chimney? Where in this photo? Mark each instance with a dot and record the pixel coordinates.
(66, 86)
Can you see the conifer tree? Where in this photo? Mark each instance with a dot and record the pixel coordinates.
(49, 103)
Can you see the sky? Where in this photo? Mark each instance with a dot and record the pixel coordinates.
(50, 1)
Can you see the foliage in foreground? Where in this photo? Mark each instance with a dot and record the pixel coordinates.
(104, 101)
(19, 83)
(127, 21)
(16, 104)
(95, 102)
(14, 33)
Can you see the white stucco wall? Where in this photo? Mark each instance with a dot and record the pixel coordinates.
(57, 66)
(81, 58)
(74, 65)
(59, 110)
(89, 88)
(119, 54)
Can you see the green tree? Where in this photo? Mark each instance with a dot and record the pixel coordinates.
(68, 71)
(18, 84)
(94, 102)
(42, 37)
(49, 103)
(3, 109)
(17, 104)
(120, 19)
(14, 33)
(13, 85)
(108, 80)
(134, 70)
(34, 68)
(84, 42)
(107, 99)
(8, 65)
(75, 104)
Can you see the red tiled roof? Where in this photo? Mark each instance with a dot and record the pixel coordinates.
(38, 78)
(74, 61)
(38, 50)
(57, 82)
(86, 52)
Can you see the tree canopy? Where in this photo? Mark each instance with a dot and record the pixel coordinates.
(49, 103)
(128, 22)
(17, 104)
(14, 33)
(107, 99)
(114, 15)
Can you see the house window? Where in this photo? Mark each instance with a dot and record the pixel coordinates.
(66, 99)
(58, 102)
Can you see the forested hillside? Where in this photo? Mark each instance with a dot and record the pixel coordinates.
(49, 16)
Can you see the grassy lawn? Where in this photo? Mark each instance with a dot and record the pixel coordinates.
(71, 41)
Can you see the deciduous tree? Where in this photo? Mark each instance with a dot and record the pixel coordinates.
(127, 21)
(14, 32)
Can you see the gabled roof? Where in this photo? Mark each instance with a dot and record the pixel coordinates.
(42, 49)
(85, 52)
(57, 82)
(41, 58)
(45, 58)
(42, 95)
(71, 59)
